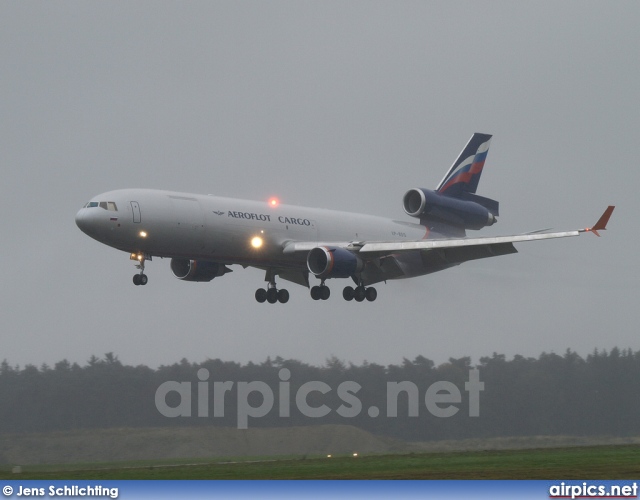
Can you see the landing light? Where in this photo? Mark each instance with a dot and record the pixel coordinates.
(143, 234)
(256, 242)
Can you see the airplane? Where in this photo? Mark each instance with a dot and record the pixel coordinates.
(204, 234)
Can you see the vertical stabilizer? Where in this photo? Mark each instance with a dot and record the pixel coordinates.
(464, 175)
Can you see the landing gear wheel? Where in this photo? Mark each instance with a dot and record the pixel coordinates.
(283, 296)
(347, 293)
(261, 295)
(371, 294)
(359, 294)
(272, 295)
(321, 292)
(140, 278)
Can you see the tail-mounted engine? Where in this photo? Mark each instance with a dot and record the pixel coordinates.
(333, 262)
(470, 212)
(194, 270)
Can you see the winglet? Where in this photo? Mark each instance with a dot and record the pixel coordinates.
(602, 221)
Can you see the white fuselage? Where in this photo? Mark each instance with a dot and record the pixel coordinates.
(205, 227)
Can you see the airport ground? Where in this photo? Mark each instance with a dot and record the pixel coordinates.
(322, 452)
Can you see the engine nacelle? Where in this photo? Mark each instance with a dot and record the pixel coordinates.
(333, 262)
(433, 206)
(193, 270)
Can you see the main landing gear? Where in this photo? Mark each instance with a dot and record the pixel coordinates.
(272, 294)
(321, 292)
(318, 292)
(359, 293)
(141, 278)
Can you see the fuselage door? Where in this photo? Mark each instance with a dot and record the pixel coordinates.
(135, 208)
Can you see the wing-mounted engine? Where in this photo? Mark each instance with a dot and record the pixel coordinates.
(194, 270)
(469, 212)
(333, 262)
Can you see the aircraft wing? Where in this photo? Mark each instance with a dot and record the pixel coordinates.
(306, 246)
(489, 245)
(399, 246)
(488, 242)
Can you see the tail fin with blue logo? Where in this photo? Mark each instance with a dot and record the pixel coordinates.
(461, 181)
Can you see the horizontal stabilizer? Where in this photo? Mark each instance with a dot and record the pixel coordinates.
(492, 205)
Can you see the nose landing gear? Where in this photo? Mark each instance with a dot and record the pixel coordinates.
(141, 278)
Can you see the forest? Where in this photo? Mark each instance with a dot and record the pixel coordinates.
(549, 395)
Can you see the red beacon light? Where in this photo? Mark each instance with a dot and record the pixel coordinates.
(274, 202)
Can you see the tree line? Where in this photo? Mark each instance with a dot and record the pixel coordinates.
(524, 396)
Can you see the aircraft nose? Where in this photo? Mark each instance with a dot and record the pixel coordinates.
(87, 223)
(80, 220)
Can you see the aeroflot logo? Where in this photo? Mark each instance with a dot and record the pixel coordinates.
(249, 216)
(294, 221)
(440, 398)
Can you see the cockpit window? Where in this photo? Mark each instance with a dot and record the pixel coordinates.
(107, 205)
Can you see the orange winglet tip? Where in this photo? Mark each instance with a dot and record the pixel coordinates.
(602, 221)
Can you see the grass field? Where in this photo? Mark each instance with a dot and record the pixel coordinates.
(597, 462)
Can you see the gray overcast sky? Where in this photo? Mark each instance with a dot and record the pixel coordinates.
(342, 105)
